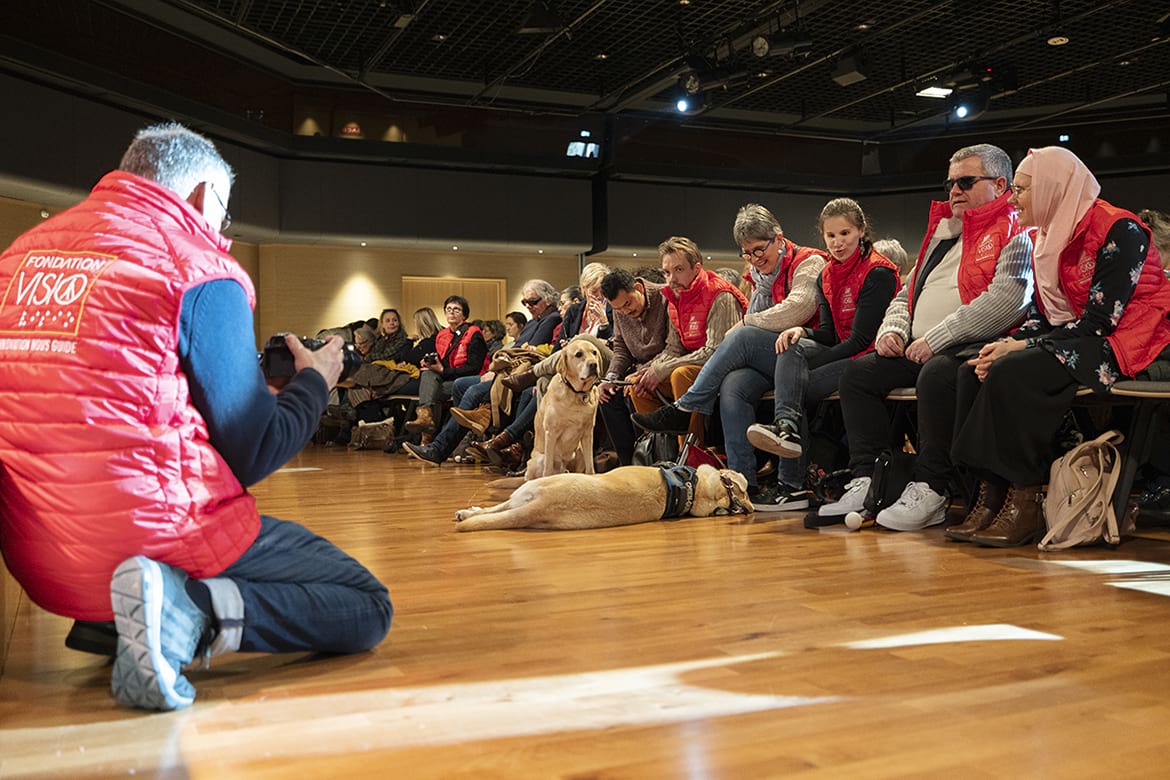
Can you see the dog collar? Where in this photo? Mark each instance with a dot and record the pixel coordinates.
(583, 393)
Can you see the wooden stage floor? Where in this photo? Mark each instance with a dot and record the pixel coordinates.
(701, 648)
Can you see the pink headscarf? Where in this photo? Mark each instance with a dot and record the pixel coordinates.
(1063, 191)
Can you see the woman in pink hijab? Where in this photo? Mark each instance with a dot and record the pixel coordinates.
(1098, 315)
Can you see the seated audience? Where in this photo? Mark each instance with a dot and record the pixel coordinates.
(970, 284)
(493, 334)
(514, 322)
(784, 278)
(391, 342)
(1098, 315)
(1159, 225)
(460, 351)
(893, 249)
(855, 288)
(702, 307)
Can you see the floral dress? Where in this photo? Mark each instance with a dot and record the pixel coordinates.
(1081, 344)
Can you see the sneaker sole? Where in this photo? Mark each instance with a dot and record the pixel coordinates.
(893, 525)
(790, 506)
(142, 676)
(768, 442)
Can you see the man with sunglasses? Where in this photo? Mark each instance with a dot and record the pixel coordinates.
(783, 276)
(970, 285)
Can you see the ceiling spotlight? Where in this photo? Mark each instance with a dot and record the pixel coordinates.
(1058, 40)
(781, 42)
(682, 105)
(541, 20)
(969, 105)
(850, 69)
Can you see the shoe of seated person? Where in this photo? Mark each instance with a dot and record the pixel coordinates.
(89, 636)
(918, 507)
(852, 500)
(424, 452)
(780, 438)
(159, 630)
(779, 498)
(478, 419)
(665, 419)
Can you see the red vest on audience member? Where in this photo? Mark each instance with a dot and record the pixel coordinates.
(842, 282)
(104, 454)
(789, 261)
(986, 230)
(688, 310)
(459, 356)
(1143, 331)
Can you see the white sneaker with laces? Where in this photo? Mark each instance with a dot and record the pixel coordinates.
(853, 500)
(918, 507)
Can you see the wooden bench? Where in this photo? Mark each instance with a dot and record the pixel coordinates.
(1150, 400)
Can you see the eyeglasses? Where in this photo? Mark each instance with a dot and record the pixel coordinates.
(966, 182)
(758, 252)
(530, 302)
(227, 215)
(453, 310)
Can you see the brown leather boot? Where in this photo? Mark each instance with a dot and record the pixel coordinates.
(521, 380)
(987, 506)
(495, 446)
(424, 420)
(1019, 522)
(477, 419)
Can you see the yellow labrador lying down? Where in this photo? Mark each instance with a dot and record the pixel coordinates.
(624, 496)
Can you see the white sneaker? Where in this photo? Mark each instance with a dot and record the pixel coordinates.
(853, 499)
(918, 507)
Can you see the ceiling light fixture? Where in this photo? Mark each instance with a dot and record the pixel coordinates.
(1058, 40)
(541, 20)
(934, 92)
(850, 69)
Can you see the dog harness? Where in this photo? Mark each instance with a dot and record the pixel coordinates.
(680, 489)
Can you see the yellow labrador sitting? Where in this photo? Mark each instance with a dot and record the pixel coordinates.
(624, 496)
(565, 413)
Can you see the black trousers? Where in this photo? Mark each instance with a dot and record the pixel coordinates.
(863, 390)
(1014, 417)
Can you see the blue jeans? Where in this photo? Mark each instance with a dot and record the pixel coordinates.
(796, 388)
(746, 347)
(467, 393)
(735, 376)
(524, 418)
(301, 593)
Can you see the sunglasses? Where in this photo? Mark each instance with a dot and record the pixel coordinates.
(530, 302)
(966, 182)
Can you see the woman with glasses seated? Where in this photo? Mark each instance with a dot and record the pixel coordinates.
(783, 277)
(1098, 315)
(460, 351)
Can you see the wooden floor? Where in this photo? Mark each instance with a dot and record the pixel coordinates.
(702, 648)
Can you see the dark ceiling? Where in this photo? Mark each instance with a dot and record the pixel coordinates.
(464, 64)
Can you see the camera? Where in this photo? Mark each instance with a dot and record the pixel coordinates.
(277, 359)
(430, 357)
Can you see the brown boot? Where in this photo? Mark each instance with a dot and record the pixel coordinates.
(477, 419)
(987, 506)
(494, 448)
(1019, 522)
(424, 420)
(520, 381)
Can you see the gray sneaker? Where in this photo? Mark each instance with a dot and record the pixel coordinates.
(778, 498)
(159, 629)
(918, 507)
(853, 500)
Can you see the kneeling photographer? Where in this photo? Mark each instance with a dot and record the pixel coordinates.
(460, 350)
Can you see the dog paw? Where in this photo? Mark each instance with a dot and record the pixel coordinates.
(464, 514)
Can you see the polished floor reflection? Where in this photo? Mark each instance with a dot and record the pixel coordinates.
(699, 648)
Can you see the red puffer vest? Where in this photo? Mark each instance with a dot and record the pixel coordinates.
(103, 454)
(688, 310)
(1143, 331)
(842, 282)
(791, 259)
(986, 231)
(459, 356)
